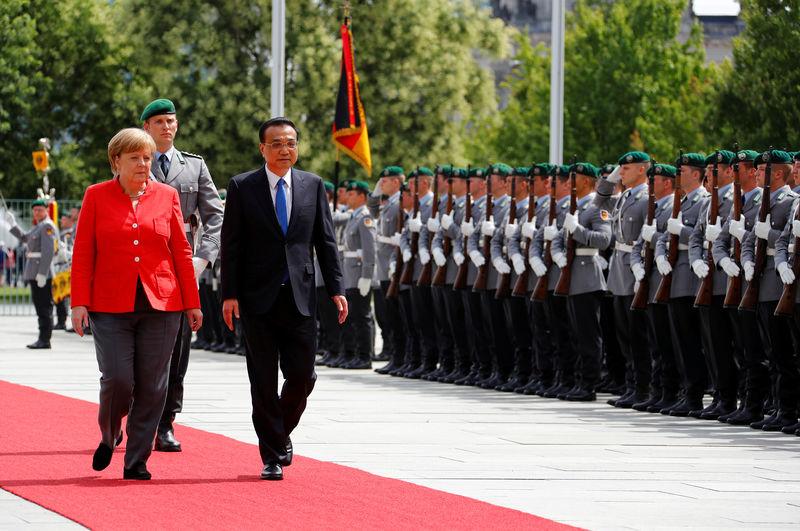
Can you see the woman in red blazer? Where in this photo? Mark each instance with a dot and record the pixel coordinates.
(132, 275)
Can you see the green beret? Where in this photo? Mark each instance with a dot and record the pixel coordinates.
(747, 155)
(522, 171)
(543, 169)
(692, 159)
(584, 168)
(328, 186)
(776, 156)
(606, 169)
(345, 183)
(725, 157)
(477, 172)
(392, 171)
(157, 107)
(562, 170)
(633, 157)
(442, 170)
(796, 156)
(359, 186)
(501, 169)
(40, 202)
(460, 173)
(665, 170)
(421, 171)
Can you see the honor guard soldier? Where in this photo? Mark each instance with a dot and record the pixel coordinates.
(41, 246)
(329, 327)
(683, 316)
(589, 228)
(359, 269)
(200, 201)
(61, 267)
(386, 214)
(778, 329)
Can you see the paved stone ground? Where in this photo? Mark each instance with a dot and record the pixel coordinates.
(588, 465)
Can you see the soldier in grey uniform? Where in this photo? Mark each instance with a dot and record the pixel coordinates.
(590, 227)
(62, 262)
(327, 314)
(776, 331)
(41, 245)
(683, 316)
(188, 174)
(387, 238)
(753, 364)
(358, 269)
(628, 214)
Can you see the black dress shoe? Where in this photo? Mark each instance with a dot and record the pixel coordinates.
(782, 420)
(119, 439)
(698, 413)
(358, 363)
(272, 471)
(630, 400)
(289, 453)
(166, 442)
(642, 406)
(556, 389)
(722, 408)
(39, 344)
(684, 407)
(746, 416)
(59, 326)
(383, 356)
(582, 395)
(724, 418)
(102, 457)
(137, 471)
(665, 401)
(757, 425)
(624, 396)
(791, 429)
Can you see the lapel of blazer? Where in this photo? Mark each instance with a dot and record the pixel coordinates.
(299, 189)
(176, 167)
(155, 172)
(263, 196)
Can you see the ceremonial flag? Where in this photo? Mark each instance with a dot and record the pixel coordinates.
(349, 124)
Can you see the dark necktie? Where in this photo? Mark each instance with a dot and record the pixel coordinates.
(164, 164)
(280, 210)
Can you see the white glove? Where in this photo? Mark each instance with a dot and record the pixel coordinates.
(736, 228)
(487, 227)
(796, 228)
(439, 257)
(729, 266)
(199, 266)
(467, 229)
(501, 266)
(749, 270)
(615, 175)
(528, 228)
(539, 269)
(648, 231)
(424, 255)
(433, 223)
(675, 225)
(458, 258)
(601, 261)
(378, 190)
(551, 231)
(447, 221)
(519, 263)
(9, 217)
(364, 285)
(662, 263)
(392, 268)
(762, 228)
(41, 280)
(395, 239)
(477, 258)
(638, 271)
(786, 273)
(406, 256)
(712, 231)
(415, 223)
(636, 285)
(560, 260)
(700, 268)
(510, 230)
(571, 222)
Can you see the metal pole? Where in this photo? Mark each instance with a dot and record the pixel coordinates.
(278, 57)
(557, 82)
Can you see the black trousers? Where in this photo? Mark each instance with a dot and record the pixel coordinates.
(444, 335)
(43, 303)
(719, 356)
(584, 319)
(177, 372)
(280, 338)
(517, 314)
(381, 318)
(543, 349)
(501, 353)
(359, 327)
(330, 329)
(754, 365)
(665, 377)
(686, 337)
(413, 353)
(565, 355)
(424, 322)
(209, 332)
(394, 324)
(456, 319)
(62, 310)
(478, 335)
(781, 354)
(613, 359)
(632, 337)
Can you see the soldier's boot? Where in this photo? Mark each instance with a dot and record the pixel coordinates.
(791, 429)
(470, 378)
(402, 365)
(564, 394)
(359, 361)
(685, 406)
(413, 362)
(642, 406)
(667, 399)
(44, 337)
(385, 354)
(624, 396)
(725, 406)
(326, 359)
(516, 381)
(342, 359)
(627, 402)
(427, 366)
(698, 413)
(460, 370)
(559, 387)
(783, 418)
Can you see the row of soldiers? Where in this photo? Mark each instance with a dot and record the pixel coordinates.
(660, 283)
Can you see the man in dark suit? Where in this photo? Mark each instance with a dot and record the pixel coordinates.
(275, 217)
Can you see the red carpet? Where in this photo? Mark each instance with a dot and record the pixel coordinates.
(46, 446)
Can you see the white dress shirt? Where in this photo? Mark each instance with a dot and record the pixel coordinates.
(287, 190)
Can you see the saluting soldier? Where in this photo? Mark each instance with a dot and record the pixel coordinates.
(590, 228)
(41, 246)
(359, 269)
(200, 202)
(777, 329)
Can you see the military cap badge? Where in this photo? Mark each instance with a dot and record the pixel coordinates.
(580, 168)
(385, 173)
(685, 159)
(719, 157)
(659, 170)
(742, 156)
(629, 158)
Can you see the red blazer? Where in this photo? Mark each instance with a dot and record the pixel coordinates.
(114, 245)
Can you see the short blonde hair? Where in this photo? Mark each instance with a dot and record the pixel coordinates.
(127, 141)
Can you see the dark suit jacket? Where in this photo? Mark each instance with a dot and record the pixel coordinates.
(255, 252)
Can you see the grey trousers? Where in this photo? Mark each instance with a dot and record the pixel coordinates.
(133, 352)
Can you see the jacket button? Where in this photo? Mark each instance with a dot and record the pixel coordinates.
(136, 242)
(135, 225)
(136, 259)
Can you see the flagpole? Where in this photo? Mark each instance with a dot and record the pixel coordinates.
(278, 57)
(557, 82)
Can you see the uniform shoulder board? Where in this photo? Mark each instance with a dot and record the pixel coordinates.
(781, 195)
(757, 197)
(695, 198)
(729, 193)
(639, 195)
(194, 155)
(585, 205)
(604, 215)
(565, 205)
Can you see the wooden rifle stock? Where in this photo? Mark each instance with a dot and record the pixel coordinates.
(540, 290)
(787, 302)
(483, 271)
(665, 286)
(643, 293)
(393, 291)
(706, 291)
(440, 278)
(521, 286)
(408, 270)
(504, 282)
(425, 274)
(750, 298)
(461, 276)
(565, 279)
(734, 294)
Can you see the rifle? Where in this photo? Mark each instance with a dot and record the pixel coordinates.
(521, 286)
(440, 278)
(425, 275)
(750, 298)
(504, 282)
(565, 279)
(665, 287)
(734, 294)
(707, 285)
(643, 293)
(393, 291)
(461, 276)
(408, 271)
(540, 291)
(483, 271)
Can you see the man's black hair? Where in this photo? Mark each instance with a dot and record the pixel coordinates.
(278, 120)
